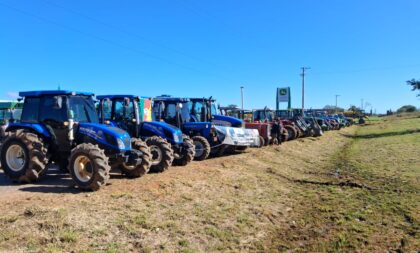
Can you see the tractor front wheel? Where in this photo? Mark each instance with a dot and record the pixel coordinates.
(162, 153)
(187, 154)
(146, 161)
(23, 157)
(202, 148)
(89, 167)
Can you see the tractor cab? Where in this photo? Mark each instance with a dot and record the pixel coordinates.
(263, 115)
(208, 107)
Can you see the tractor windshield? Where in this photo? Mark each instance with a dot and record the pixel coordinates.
(82, 109)
(263, 115)
(124, 111)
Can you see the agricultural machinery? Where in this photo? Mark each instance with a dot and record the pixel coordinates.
(167, 144)
(264, 129)
(289, 130)
(63, 127)
(195, 118)
(9, 112)
(308, 126)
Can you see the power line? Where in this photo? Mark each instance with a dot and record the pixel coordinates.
(127, 32)
(373, 69)
(103, 39)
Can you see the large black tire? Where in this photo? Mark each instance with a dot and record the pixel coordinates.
(24, 157)
(162, 153)
(187, 154)
(202, 148)
(284, 135)
(146, 160)
(241, 148)
(89, 166)
(291, 133)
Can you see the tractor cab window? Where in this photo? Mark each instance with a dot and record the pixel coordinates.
(199, 112)
(106, 109)
(185, 112)
(82, 109)
(123, 112)
(170, 114)
(30, 110)
(214, 109)
(50, 113)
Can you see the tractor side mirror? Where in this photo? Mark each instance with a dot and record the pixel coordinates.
(126, 102)
(58, 102)
(179, 107)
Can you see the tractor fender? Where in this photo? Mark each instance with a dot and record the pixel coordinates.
(39, 129)
(228, 121)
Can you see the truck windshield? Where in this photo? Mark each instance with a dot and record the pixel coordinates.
(82, 109)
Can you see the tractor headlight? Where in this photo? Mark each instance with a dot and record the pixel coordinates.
(121, 144)
(176, 138)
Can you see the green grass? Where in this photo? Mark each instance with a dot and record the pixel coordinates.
(372, 201)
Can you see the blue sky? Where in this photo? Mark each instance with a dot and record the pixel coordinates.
(357, 49)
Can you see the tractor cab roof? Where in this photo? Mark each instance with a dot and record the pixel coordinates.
(167, 98)
(201, 99)
(116, 97)
(53, 93)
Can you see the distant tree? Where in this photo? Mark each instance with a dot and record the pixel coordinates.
(354, 108)
(415, 84)
(407, 108)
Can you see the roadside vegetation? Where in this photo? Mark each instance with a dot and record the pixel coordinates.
(356, 189)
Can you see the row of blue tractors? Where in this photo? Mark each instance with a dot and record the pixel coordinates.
(88, 136)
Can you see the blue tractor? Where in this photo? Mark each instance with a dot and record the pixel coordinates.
(195, 118)
(62, 127)
(167, 144)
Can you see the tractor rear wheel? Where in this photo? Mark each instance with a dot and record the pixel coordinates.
(89, 166)
(162, 153)
(202, 148)
(144, 167)
(187, 154)
(291, 133)
(24, 157)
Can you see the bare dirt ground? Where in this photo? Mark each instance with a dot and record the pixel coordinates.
(252, 201)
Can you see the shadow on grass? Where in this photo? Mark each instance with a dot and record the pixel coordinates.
(379, 135)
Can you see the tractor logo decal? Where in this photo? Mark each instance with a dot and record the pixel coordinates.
(91, 133)
(283, 92)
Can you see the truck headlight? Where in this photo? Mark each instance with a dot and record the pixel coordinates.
(121, 144)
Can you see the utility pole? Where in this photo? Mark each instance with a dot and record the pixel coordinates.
(303, 88)
(336, 103)
(242, 97)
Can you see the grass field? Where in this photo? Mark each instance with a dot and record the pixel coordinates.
(356, 189)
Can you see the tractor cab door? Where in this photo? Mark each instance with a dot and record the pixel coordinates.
(53, 113)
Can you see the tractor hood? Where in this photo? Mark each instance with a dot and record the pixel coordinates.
(220, 120)
(165, 130)
(106, 135)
